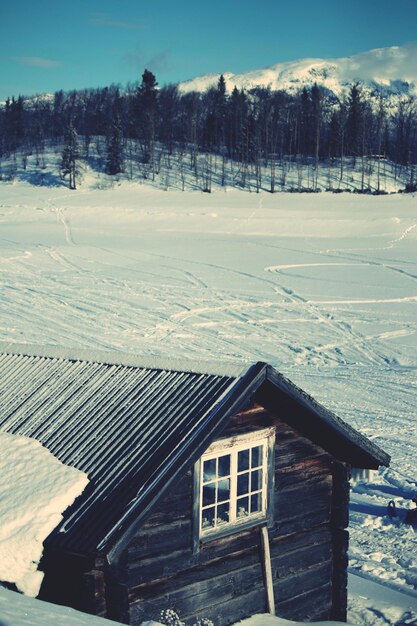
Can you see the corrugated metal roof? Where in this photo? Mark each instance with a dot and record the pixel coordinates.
(115, 422)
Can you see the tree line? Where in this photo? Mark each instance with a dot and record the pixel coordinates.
(255, 130)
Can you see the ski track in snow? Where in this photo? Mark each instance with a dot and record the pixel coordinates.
(335, 312)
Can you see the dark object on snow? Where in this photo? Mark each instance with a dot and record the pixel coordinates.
(411, 516)
(391, 509)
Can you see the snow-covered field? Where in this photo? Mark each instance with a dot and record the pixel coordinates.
(323, 286)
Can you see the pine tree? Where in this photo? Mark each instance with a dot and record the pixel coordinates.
(114, 157)
(146, 114)
(70, 154)
(317, 118)
(354, 122)
(220, 112)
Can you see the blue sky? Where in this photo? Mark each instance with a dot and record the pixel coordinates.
(46, 45)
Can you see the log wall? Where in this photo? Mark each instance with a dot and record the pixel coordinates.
(224, 580)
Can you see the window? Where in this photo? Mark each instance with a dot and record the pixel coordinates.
(233, 482)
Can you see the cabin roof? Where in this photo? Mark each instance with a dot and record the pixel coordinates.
(134, 424)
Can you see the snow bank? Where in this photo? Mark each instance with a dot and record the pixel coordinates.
(265, 619)
(18, 610)
(35, 490)
(373, 604)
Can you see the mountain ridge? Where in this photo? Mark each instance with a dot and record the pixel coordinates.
(389, 71)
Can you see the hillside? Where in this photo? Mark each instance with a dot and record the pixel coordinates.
(207, 172)
(259, 139)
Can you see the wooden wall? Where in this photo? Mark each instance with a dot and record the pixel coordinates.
(224, 580)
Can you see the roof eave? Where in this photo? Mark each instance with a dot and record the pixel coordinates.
(231, 369)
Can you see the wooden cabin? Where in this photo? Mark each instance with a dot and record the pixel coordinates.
(217, 491)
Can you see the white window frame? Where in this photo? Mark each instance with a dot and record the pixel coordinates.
(232, 446)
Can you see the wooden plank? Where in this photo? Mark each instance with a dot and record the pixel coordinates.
(340, 539)
(249, 415)
(174, 506)
(341, 495)
(164, 565)
(310, 578)
(309, 468)
(234, 610)
(117, 602)
(295, 449)
(308, 606)
(267, 570)
(160, 540)
(285, 565)
(94, 593)
(281, 545)
(303, 499)
(301, 523)
(221, 613)
(180, 578)
(168, 565)
(205, 593)
(244, 436)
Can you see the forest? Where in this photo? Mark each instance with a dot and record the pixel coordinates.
(250, 137)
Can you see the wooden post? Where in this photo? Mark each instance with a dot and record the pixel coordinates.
(267, 570)
(94, 593)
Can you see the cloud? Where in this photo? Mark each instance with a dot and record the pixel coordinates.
(159, 62)
(36, 61)
(101, 19)
(392, 63)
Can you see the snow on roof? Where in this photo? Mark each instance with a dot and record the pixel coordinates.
(35, 490)
(230, 369)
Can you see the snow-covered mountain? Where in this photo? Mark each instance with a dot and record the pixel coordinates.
(387, 70)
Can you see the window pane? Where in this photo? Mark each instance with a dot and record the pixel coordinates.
(207, 519)
(209, 470)
(223, 492)
(209, 494)
(224, 465)
(223, 513)
(256, 480)
(256, 456)
(256, 503)
(229, 501)
(242, 484)
(242, 507)
(243, 460)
